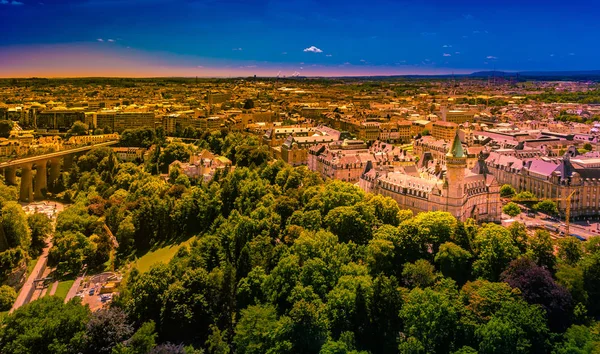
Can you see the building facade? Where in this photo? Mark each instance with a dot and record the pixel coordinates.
(553, 178)
(444, 130)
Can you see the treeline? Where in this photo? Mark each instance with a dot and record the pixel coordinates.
(588, 97)
(22, 237)
(285, 262)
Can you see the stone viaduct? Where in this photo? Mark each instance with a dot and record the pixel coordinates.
(32, 187)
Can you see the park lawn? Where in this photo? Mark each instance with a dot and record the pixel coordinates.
(159, 255)
(63, 288)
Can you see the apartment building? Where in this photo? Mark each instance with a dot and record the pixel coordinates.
(395, 132)
(58, 119)
(457, 116)
(118, 121)
(444, 130)
(419, 126)
(130, 154)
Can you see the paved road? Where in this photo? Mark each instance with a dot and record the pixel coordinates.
(27, 289)
(575, 227)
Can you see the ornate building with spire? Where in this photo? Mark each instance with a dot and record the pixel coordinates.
(464, 193)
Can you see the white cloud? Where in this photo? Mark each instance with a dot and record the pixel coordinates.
(111, 40)
(363, 61)
(456, 52)
(237, 49)
(346, 63)
(14, 2)
(551, 55)
(571, 54)
(491, 57)
(200, 66)
(100, 40)
(328, 55)
(312, 49)
(447, 54)
(447, 46)
(284, 53)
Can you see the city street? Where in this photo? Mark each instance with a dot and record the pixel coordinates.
(580, 228)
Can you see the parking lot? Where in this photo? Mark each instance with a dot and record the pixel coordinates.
(97, 291)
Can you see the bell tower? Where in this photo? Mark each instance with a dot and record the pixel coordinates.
(456, 165)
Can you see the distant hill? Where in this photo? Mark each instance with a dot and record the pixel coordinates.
(492, 73)
(583, 75)
(542, 75)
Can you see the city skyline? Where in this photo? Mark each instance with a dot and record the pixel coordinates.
(136, 38)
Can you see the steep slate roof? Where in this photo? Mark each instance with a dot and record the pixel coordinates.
(456, 150)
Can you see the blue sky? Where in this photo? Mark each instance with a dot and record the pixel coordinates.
(304, 36)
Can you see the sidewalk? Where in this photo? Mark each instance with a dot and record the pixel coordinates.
(54, 287)
(73, 291)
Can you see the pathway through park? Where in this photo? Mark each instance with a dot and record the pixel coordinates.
(38, 270)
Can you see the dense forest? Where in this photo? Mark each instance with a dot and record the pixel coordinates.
(284, 262)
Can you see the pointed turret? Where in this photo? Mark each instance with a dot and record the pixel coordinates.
(456, 150)
(456, 164)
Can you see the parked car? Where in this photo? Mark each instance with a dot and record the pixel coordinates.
(92, 290)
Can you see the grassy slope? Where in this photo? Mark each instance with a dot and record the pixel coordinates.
(163, 254)
(63, 288)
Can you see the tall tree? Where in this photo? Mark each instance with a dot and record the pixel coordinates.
(45, 326)
(14, 225)
(495, 250)
(431, 319)
(40, 227)
(538, 287)
(542, 250)
(454, 262)
(105, 329)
